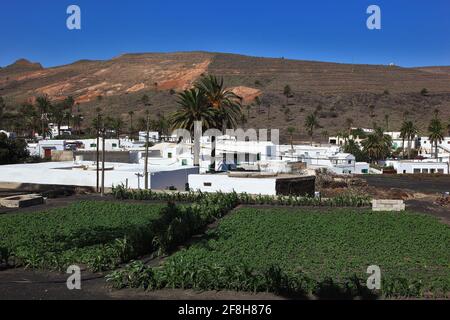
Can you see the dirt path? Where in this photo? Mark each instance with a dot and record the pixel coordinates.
(18, 284)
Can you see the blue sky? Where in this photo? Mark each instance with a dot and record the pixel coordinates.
(414, 32)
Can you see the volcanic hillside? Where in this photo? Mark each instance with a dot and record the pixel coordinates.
(364, 93)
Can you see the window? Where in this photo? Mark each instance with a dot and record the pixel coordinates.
(207, 184)
(169, 155)
(424, 170)
(247, 157)
(258, 157)
(93, 145)
(416, 170)
(114, 145)
(441, 171)
(432, 170)
(184, 162)
(349, 161)
(404, 171)
(365, 171)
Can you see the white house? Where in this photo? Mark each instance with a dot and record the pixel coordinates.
(91, 144)
(83, 173)
(419, 166)
(253, 183)
(153, 136)
(427, 148)
(64, 130)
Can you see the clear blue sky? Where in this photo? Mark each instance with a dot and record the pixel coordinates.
(414, 32)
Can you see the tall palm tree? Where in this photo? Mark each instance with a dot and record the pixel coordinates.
(117, 125)
(409, 130)
(386, 121)
(349, 123)
(77, 120)
(2, 111)
(225, 103)
(436, 134)
(57, 115)
(131, 114)
(377, 145)
(193, 107)
(291, 131)
(311, 123)
(43, 105)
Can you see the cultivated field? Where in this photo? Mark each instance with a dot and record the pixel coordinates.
(98, 234)
(322, 252)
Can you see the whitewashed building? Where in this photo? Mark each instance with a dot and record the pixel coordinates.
(419, 166)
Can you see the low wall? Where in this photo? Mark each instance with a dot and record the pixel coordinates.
(388, 205)
(110, 156)
(300, 186)
(58, 155)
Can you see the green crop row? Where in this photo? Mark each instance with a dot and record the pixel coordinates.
(346, 199)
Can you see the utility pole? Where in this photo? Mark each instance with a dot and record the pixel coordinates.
(98, 152)
(103, 163)
(146, 153)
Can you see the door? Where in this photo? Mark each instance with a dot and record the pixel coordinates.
(47, 153)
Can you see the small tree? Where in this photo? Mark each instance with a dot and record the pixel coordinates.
(287, 93)
(291, 131)
(311, 123)
(145, 100)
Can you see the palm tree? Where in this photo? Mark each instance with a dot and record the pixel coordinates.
(408, 131)
(43, 105)
(311, 123)
(77, 120)
(436, 133)
(258, 103)
(377, 145)
(325, 135)
(57, 115)
(386, 121)
(287, 93)
(117, 125)
(2, 111)
(349, 123)
(291, 131)
(248, 111)
(68, 104)
(131, 114)
(225, 103)
(193, 107)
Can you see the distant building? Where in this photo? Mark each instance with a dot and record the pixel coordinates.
(10, 135)
(254, 183)
(419, 166)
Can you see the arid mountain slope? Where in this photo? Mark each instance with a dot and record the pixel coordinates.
(365, 93)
